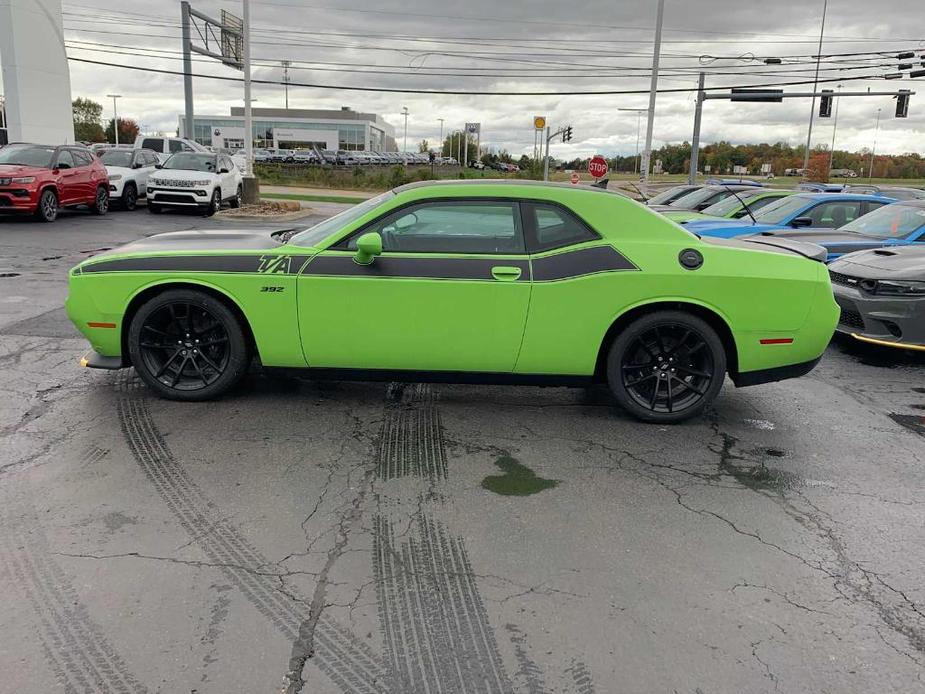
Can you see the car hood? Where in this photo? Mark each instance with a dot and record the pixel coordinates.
(119, 170)
(181, 175)
(199, 241)
(773, 245)
(17, 170)
(907, 262)
(819, 235)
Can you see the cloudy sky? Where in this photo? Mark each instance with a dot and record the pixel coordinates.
(525, 46)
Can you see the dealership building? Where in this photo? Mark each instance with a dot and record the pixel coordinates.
(281, 128)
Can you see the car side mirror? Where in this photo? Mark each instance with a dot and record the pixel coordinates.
(158, 166)
(801, 222)
(63, 166)
(223, 170)
(369, 245)
(136, 165)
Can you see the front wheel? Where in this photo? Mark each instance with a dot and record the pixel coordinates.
(187, 345)
(47, 210)
(129, 196)
(666, 367)
(215, 204)
(100, 201)
(235, 202)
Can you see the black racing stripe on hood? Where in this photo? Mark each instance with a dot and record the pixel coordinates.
(261, 264)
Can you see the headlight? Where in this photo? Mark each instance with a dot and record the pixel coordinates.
(23, 179)
(116, 177)
(900, 288)
(204, 182)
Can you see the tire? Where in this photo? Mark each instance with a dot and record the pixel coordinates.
(666, 367)
(154, 208)
(100, 204)
(187, 345)
(235, 202)
(129, 196)
(47, 210)
(215, 204)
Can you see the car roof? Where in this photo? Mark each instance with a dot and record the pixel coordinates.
(842, 196)
(507, 182)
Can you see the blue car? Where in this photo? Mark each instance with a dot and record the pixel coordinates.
(899, 224)
(803, 210)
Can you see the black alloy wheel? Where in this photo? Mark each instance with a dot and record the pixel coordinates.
(101, 201)
(666, 367)
(47, 210)
(129, 196)
(187, 345)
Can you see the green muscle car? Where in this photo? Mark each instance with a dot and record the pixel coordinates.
(482, 281)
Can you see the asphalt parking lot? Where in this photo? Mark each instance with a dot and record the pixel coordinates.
(403, 538)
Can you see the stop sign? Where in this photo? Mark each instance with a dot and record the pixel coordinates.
(575, 178)
(597, 167)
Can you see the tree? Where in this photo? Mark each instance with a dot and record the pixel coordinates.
(87, 117)
(128, 131)
(453, 143)
(424, 147)
(818, 170)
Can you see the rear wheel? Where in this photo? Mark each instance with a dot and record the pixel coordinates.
(187, 345)
(129, 196)
(235, 202)
(100, 201)
(666, 367)
(47, 211)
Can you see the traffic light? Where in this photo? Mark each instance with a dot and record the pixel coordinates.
(902, 103)
(825, 104)
(567, 134)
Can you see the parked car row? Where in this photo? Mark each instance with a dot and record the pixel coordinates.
(342, 157)
(39, 180)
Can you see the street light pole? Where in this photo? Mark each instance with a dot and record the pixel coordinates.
(834, 128)
(404, 111)
(647, 154)
(870, 172)
(286, 64)
(441, 136)
(250, 187)
(115, 115)
(638, 112)
(812, 107)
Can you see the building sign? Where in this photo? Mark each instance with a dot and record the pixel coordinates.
(473, 128)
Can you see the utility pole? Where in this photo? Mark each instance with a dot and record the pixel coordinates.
(404, 111)
(441, 137)
(812, 108)
(248, 116)
(546, 156)
(465, 134)
(187, 72)
(870, 172)
(647, 154)
(834, 128)
(115, 115)
(638, 112)
(286, 64)
(695, 140)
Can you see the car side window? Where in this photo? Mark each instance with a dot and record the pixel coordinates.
(153, 143)
(871, 206)
(550, 226)
(834, 214)
(758, 204)
(82, 158)
(487, 227)
(64, 160)
(177, 146)
(151, 159)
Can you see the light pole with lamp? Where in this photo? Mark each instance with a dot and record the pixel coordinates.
(115, 115)
(441, 136)
(812, 108)
(638, 112)
(834, 128)
(404, 112)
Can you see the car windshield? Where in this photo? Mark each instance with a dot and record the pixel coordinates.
(694, 198)
(666, 196)
(29, 155)
(726, 207)
(322, 230)
(889, 222)
(188, 161)
(117, 157)
(781, 210)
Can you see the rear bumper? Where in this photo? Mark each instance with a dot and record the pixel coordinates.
(777, 373)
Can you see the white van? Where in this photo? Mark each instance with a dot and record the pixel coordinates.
(165, 146)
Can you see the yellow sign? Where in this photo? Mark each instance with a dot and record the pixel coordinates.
(539, 122)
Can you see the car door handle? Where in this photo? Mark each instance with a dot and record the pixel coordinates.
(506, 273)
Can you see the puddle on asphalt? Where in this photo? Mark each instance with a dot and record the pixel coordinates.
(912, 422)
(517, 480)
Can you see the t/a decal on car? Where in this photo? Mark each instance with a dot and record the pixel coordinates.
(274, 264)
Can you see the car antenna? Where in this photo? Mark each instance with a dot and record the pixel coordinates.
(744, 206)
(639, 192)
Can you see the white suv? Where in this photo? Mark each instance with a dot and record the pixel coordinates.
(128, 171)
(194, 179)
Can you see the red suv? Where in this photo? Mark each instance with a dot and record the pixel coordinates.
(41, 179)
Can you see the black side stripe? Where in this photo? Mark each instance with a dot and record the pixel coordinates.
(585, 261)
(414, 268)
(262, 264)
(848, 247)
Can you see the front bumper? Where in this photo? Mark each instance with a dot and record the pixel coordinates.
(180, 197)
(894, 321)
(95, 360)
(18, 199)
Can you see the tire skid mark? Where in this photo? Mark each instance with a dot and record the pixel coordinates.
(581, 677)
(435, 625)
(347, 661)
(74, 646)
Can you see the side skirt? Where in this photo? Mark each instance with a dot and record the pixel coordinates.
(411, 376)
